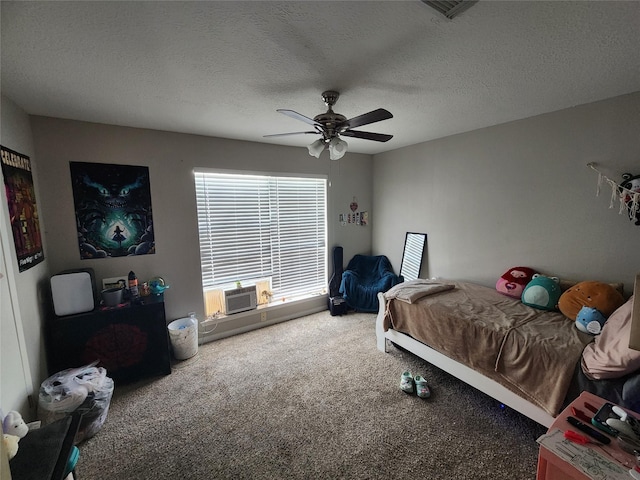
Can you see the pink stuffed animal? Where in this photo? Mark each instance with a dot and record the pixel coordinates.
(513, 281)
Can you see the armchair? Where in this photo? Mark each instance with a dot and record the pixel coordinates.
(364, 277)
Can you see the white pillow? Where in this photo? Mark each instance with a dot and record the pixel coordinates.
(609, 356)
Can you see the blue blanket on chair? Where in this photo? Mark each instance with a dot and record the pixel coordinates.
(364, 277)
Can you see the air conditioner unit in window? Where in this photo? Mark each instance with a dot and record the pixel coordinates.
(240, 299)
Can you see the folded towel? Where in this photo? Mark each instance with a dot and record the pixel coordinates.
(413, 290)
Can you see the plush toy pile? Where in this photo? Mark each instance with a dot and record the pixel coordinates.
(589, 303)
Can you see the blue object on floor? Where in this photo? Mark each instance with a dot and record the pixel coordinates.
(364, 277)
(72, 462)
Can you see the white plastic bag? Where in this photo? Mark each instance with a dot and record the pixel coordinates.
(87, 389)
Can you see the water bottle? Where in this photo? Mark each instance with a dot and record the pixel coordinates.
(133, 285)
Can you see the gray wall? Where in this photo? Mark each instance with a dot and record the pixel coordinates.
(516, 194)
(171, 158)
(22, 310)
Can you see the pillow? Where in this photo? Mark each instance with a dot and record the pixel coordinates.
(598, 295)
(513, 281)
(542, 292)
(609, 356)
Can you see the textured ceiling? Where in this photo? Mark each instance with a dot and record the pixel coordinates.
(223, 68)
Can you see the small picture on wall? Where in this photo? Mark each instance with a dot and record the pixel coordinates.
(23, 211)
(113, 210)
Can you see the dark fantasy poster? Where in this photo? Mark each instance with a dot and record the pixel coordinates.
(113, 210)
(23, 211)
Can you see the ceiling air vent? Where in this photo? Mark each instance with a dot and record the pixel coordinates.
(450, 9)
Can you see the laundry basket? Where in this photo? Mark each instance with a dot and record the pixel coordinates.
(183, 334)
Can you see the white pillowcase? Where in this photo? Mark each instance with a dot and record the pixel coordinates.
(609, 356)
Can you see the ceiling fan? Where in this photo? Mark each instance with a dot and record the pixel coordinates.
(332, 125)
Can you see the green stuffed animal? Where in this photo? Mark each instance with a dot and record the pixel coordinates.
(542, 292)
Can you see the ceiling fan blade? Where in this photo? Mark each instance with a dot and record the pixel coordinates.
(285, 134)
(378, 137)
(367, 118)
(299, 116)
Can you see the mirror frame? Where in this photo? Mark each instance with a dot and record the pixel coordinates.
(412, 255)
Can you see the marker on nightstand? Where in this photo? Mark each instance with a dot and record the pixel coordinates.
(590, 407)
(588, 430)
(576, 412)
(576, 437)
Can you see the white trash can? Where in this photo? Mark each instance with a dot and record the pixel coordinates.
(183, 334)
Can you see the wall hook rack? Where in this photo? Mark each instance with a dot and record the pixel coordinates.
(626, 195)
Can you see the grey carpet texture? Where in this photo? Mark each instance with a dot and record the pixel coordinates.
(310, 398)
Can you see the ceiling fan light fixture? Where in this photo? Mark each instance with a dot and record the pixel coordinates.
(337, 148)
(331, 125)
(316, 148)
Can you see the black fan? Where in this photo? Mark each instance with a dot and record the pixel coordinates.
(331, 125)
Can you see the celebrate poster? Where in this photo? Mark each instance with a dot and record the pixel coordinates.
(113, 210)
(23, 211)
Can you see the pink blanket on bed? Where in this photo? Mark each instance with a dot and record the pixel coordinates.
(532, 352)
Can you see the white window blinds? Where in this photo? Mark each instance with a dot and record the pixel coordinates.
(254, 226)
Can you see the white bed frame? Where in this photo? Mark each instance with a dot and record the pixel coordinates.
(458, 370)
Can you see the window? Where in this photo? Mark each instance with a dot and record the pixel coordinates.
(254, 227)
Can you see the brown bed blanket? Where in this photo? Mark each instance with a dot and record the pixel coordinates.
(532, 352)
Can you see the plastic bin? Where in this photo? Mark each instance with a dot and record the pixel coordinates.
(183, 334)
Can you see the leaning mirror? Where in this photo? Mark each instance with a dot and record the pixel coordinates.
(414, 244)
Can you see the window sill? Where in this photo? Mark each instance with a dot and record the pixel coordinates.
(269, 307)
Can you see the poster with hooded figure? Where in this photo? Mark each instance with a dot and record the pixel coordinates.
(23, 211)
(113, 210)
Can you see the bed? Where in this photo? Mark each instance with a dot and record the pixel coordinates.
(526, 358)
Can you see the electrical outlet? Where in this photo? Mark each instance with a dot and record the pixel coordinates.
(263, 317)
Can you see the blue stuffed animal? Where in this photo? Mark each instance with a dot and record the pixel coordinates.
(590, 320)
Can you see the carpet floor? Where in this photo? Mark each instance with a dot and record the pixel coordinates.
(310, 398)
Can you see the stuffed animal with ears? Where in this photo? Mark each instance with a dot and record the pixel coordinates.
(542, 292)
(13, 429)
(13, 424)
(590, 320)
(513, 281)
(632, 184)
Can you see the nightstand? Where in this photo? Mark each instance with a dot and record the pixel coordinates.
(552, 467)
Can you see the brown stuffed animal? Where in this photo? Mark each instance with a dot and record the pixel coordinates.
(598, 295)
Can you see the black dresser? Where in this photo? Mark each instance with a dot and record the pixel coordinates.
(130, 342)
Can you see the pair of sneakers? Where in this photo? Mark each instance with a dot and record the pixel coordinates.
(409, 384)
